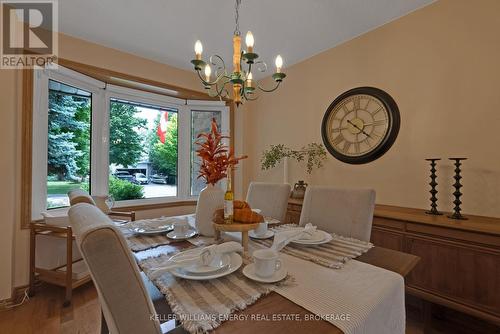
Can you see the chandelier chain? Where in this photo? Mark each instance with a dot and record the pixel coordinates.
(237, 17)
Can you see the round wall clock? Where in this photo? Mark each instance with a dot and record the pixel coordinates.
(360, 125)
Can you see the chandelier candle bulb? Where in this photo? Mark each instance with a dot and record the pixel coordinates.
(249, 40)
(198, 49)
(279, 63)
(249, 79)
(208, 72)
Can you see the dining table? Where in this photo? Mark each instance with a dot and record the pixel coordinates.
(274, 313)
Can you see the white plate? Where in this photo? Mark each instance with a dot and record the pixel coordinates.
(271, 221)
(234, 264)
(268, 235)
(189, 234)
(249, 271)
(317, 236)
(155, 230)
(217, 264)
(327, 238)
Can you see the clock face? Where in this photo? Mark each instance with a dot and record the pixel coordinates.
(360, 125)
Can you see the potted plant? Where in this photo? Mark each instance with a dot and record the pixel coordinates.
(313, 154)
(216, 160)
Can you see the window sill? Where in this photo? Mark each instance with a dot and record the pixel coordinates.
(143, 205)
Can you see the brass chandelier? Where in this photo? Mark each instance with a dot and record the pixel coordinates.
(243, 86)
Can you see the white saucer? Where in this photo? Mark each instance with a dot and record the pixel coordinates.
(189, 234)
(249, 271)
(235, 262)
(268, 235)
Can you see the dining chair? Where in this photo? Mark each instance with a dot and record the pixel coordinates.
(125, 302)
(270, 198)
(347, 212)
(81, 196)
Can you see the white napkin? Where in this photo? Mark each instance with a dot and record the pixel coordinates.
(203, 256)
(282, 238)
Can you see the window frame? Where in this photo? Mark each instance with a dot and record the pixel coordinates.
(102, 94)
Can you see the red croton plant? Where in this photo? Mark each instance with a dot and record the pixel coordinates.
(216, 158)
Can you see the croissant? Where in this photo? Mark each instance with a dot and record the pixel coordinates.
(242, 214)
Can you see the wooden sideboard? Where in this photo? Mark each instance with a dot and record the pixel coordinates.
(459, 260)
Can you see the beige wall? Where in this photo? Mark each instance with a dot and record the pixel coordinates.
(441, 65)
(8, 169)
(14, 242)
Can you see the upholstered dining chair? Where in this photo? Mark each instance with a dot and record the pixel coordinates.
(270, 198)
(81, 196)
(347, 212)
(124, 299)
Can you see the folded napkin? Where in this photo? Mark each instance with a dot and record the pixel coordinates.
(282, 238)
(242, 214)
(202, 256)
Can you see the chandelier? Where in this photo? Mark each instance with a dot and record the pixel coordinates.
(241, 80)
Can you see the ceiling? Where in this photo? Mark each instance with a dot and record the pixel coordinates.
(165, 30)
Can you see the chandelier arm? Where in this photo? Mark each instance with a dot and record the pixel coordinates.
(215, 92)
(260, 63)
(210, 83)
(249, 98)
(222, 89)
(270, 90)
(218, 67)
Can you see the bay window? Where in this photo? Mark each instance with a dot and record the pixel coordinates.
(134, 145)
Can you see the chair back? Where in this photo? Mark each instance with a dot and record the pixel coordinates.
(125, 302)
(79, 196)
(347, 212)
(270, 198)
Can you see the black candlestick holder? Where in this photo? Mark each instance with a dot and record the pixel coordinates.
(433, 191)
(456, 211)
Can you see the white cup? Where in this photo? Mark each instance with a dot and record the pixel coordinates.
(181, 228)
(261, 230)
(267, 262)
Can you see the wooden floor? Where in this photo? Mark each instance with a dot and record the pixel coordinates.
(44, 313)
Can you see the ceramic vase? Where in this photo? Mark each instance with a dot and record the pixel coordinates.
(210, 199)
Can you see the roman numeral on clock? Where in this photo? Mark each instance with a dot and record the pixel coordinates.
(337, 140)
(347, 145)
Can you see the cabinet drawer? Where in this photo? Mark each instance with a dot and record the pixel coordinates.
(387, 239)
(389, 223)
(449, 233)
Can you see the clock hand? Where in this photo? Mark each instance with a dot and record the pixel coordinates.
(357, 127)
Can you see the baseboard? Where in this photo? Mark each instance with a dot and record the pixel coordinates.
(16, 297)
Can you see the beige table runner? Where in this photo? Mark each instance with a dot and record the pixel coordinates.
(204, 305)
